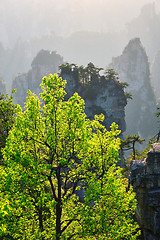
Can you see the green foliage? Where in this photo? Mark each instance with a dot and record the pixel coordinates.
(90, 80)
(127, 95)
(83, 75)
(66, 68)
(52, 152)
(107, 204)
(143, 154)
(128, 143)
(123, 84)
(7, 111)
(158, 113)
(111, 74)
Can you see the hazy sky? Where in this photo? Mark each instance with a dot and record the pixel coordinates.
(31, 18)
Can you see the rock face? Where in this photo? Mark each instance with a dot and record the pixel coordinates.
(42, 65)
(155, 73)
(101, 95)
(133, 68)
(2, 86)
(145, 178)
(105, 97)
(146, 26)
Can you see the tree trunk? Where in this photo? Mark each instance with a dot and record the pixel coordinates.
(41, 220)
(58, 220)
(134, 152)
(58, 207)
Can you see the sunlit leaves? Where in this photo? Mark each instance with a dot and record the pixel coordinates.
(108, 208)
(60, 181)
(7, 111)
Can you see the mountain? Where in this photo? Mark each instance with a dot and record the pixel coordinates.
(102, 94)
(2, 86)
(43, 64)
(155, 73)
(133, 68)
(146, 27)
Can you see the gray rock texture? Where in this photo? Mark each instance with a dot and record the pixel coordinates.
(145, 178)
(2, 86)
(107, 98)
(133, 68)
(100, 95)
(42, 65)
(155, 73)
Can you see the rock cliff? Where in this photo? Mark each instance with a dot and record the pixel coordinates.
(42, 65)
(101, 94)
(2, 86)
(106, 97)
(155, 73)
(133, 68)
(145, 178)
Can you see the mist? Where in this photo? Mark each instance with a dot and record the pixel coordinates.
(29, 19)
(80, 31)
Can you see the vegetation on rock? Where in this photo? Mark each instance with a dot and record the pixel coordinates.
(90, 80)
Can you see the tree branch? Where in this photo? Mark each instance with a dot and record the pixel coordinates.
(69, 222)
(52, 187)
(74, 187)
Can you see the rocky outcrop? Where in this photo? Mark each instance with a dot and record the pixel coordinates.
(145, 178)
(2, 86)
(42, 65)
(133, 68)
(105, 97)
(155, 73)
(101, 95)
(146, 27)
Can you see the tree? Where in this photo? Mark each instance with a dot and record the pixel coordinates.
(106, 214)
(7, 111)
(111, 74)
(66, 68)
(129, 143)
(93, 72)
(53, 154)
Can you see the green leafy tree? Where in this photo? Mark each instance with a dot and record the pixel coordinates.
(53, 154)
(111, 74)
(129, 143)
(83, 76)
(93, 72)
(7, 111)
(104, 216)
